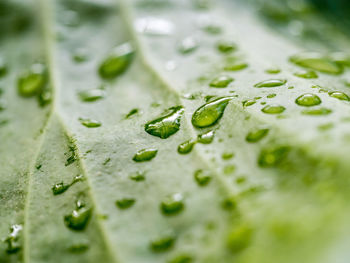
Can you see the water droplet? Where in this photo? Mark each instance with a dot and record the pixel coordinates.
(309, 74)
(78, 248)
(248, 103)
(45, 97)
(318, 62)
(339, 95)
(206, 138)
(270, 96)
(186, 147)
(125, 203)
(117, 62)
(225, 46)
(256, 135)
(229, 203)
(32, 82)
(79, 218)
(13, 239)
(166, 125)
(3, 68)
(145, 155)
(273, 71)
(91, 95)
(308, 100)
(221, 82)
(89, 123)
(80, 55)
(235, 66)
(212, 28)
(154, 26)
(71, 159)
(271, 157)
(60, 188)
(210, 113)
(188, 45)
(229, 169)
(202, 178)
(182, 259)
(239, 238)
(138, 177)
(162, 244)
(227, 155)
(319, 111)
(270, 83)
(273, 109)
(132, 113)
(172, 205)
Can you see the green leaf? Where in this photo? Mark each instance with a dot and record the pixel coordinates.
(119, 149)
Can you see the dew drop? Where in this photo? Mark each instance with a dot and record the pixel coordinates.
(273, 109)
(166, 125)
(145, 155)
(80, 55)
(316, 61)
(202, 178)
(229, 169)
(138, 177)
(308, 100)
(186, 147)
(221, 82)
(210, 113)
(3, 67)
(182, 259)
(13, 239)
(206, 138)
(319, 111)
(32, 82)
(235, 66)
(79, 218)
(339, 95)
(309, 74)
(90, 123)
(132, 113)
(227, 155)
(188, 45)
(248, 103)
(91, 95)
(256, 135)
(60, 188)
(270, 83)
(273, 71)
(270, 96)
(117, 61)
(162, 244)
(271, 157)
(154, 26)
(172, 205)
(125, 203)
(78, 248)
(226, 47)
(239, 238)
(229, 203)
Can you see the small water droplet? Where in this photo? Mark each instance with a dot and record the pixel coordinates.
(202, 178)
(318, 62)
(309, 74)
(270, 96)
(162, 244)
(186, 147)
(71, 159)
(221, 82)
(273, 71)
(125, 203)
(188, 45)
(166, 125)
(270, 83)
(229, 203)
(90, 123)
(80, 247)
(229, 169)
(172, 205)
(13, 239)
(339, 95)
(225, 46)
(227, 155)
(117, 61)
(256, 135)
(79, 218)
(170, 65)
(91, 95)
(182, 259)
(138, 176)
(80, 55)
(145, 155)
(248, 103)
(60, 188)
(154, 26)
(206, 138)
(210, 113)
(132, 113)
(32, 82)
(308, 100)
(273, 109)
(235, 66)
(271, 157)
(3, 67)
(239, 238)
(319, 111)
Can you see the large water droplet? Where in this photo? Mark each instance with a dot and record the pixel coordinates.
(13, 239)
(308, 100)
(270, 83)
(91, 95)
(186, 147)
(166, 125)
(188, 45)
(256, 135)
(154, 26)
(239, 238)
(79, 218)
(273, 109)
(221, 82)
(210, 113)
(145, 155)
(206, 138)
(202, 177)
(125, 203)
(319, 111)
(172, 205)
(339, 95)
(271, 157)
(162, 244)
(316, 61)
(117, 62)
(33, 82)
